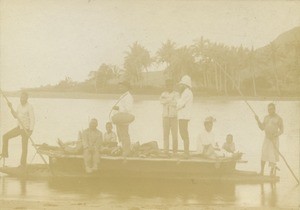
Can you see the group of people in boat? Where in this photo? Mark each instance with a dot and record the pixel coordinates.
(177, 112)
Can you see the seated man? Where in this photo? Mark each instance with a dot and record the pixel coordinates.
(206, 140)
(209, 148)
(89, 142)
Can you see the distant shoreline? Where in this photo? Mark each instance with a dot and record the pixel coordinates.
(82, 95)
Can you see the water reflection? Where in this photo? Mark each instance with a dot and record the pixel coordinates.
(20, 185)
(122, 189)
(269, 197)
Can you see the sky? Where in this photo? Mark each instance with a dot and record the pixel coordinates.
(42, 42)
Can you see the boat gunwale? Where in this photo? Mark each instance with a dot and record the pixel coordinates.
(199, 159)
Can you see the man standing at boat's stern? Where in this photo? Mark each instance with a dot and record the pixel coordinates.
(26, 120)
(273, 127)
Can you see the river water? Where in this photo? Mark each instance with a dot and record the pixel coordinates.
(63, 118)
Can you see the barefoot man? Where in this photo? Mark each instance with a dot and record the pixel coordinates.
(273, 127)
(25, 117)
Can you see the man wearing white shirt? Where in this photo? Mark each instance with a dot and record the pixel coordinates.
(26, 120)
(184, 108)
(170, 122)
(124, 105)
(206, 139)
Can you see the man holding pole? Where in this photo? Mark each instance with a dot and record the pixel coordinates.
(25, 117)
(273, 127)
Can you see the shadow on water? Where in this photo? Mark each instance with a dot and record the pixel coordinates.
(204, 192)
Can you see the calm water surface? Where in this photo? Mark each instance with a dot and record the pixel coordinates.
(63, 118)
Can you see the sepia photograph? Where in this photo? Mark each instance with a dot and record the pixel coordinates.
(149, 105)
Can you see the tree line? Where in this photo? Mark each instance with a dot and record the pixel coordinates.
(214, 67)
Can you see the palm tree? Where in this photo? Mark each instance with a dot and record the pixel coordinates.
(136, 61)
(164, 55)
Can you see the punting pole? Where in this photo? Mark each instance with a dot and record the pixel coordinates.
(111, 110)
(22, 125)
(241, 94)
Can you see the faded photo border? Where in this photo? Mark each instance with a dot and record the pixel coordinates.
(172, 66)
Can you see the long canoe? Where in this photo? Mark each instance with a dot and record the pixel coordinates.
(193, 169)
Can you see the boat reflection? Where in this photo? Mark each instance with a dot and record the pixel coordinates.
(203, 192)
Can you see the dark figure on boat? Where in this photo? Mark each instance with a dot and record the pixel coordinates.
(170, 122)
(26, 120)
(273, 127)
(184, 107)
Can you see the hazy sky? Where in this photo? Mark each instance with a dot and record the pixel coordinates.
(44, 41)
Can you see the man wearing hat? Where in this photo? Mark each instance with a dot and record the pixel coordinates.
(170, 122)
(184, 108)
(206, 139)
(124, 105)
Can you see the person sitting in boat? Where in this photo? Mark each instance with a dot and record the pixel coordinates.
(91, 142)
(110, 137)
(72, 147)
(206, 144)
(229, 149)
(109, 140)
(229, 145)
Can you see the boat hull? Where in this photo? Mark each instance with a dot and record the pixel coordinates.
(135, 168)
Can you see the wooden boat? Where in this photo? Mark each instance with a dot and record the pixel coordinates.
(196, 168)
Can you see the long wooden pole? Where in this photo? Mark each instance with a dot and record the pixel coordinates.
(23, 127)
(277, 150)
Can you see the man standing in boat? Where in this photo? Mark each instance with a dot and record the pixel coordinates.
(170, 122)
(184, 107)
(91, 142)
(273, 127)
(123, 116)
(26, 120)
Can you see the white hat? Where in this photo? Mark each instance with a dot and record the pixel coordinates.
(186, 80)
